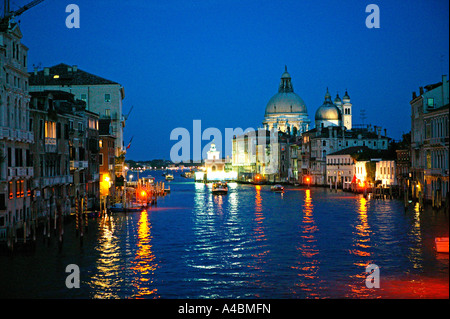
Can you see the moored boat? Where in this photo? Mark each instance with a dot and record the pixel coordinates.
(118, 208)
(220, 188)
(277, 188)
(169, 177)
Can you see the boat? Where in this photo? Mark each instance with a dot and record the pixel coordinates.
(277, 188)
(118, 208)
(169, 177)
(441, 244)
(219, 188)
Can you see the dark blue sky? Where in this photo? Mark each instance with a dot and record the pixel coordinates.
(221, 61)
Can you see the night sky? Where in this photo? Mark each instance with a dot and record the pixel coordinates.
(221, 61)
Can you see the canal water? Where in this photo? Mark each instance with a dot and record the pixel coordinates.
(250, 243)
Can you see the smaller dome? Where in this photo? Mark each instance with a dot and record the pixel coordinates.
(328, 111)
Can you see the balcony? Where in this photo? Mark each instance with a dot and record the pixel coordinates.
(20, 172)
(18, 135)
(56, 180)
(434, 172)
(78, 164)
(50, 145)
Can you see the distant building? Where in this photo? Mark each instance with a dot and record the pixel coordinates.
(430, 141)
(214, 168)
(102, 96)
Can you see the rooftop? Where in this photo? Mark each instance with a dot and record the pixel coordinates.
(63, 74)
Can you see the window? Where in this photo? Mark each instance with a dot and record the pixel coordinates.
(83, 97)
(108, 113)
(100, 158)
(107, 97)
(430, 102)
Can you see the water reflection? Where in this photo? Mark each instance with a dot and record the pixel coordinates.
(362, 234)
(308, 266)
(107, 279)
(415, 250)
(361, 251)
(144, 266)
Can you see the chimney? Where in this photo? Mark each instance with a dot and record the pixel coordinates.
(74, 68)
(421, 90)
(414, 95)
(385, 132)
(379, 131)
(46, 71)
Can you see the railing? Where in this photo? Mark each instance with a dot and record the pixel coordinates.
(434, 171)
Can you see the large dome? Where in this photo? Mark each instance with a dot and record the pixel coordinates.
(285, 101)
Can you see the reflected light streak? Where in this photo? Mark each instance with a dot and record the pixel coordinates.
(308, 266)
(144, 265)
(107, 279)
(361, 248)
(259, 216)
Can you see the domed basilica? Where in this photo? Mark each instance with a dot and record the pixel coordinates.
(286, 111)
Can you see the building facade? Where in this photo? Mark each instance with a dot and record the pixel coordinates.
(430, 141)
(101, 96)
(16, 167)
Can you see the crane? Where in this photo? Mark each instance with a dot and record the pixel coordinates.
(9, 14)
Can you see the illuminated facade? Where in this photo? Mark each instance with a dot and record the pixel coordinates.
(286, 111)
(214, 168)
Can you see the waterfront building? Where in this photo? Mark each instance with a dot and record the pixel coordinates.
(386, 172)
(264, 155)
(286, 111)
(403, 167)
(107, 160)
(65, 154)
(214, 168)
(323, 140)
(16, 168)
(360, 164)
(102, 96)
(430, 141)
(341, 167)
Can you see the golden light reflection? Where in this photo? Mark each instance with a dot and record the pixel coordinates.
(415, 251)
(308, 265)
(363, 231)
(361, 245)
(144, 264)
(259, 216)
(107, 280)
